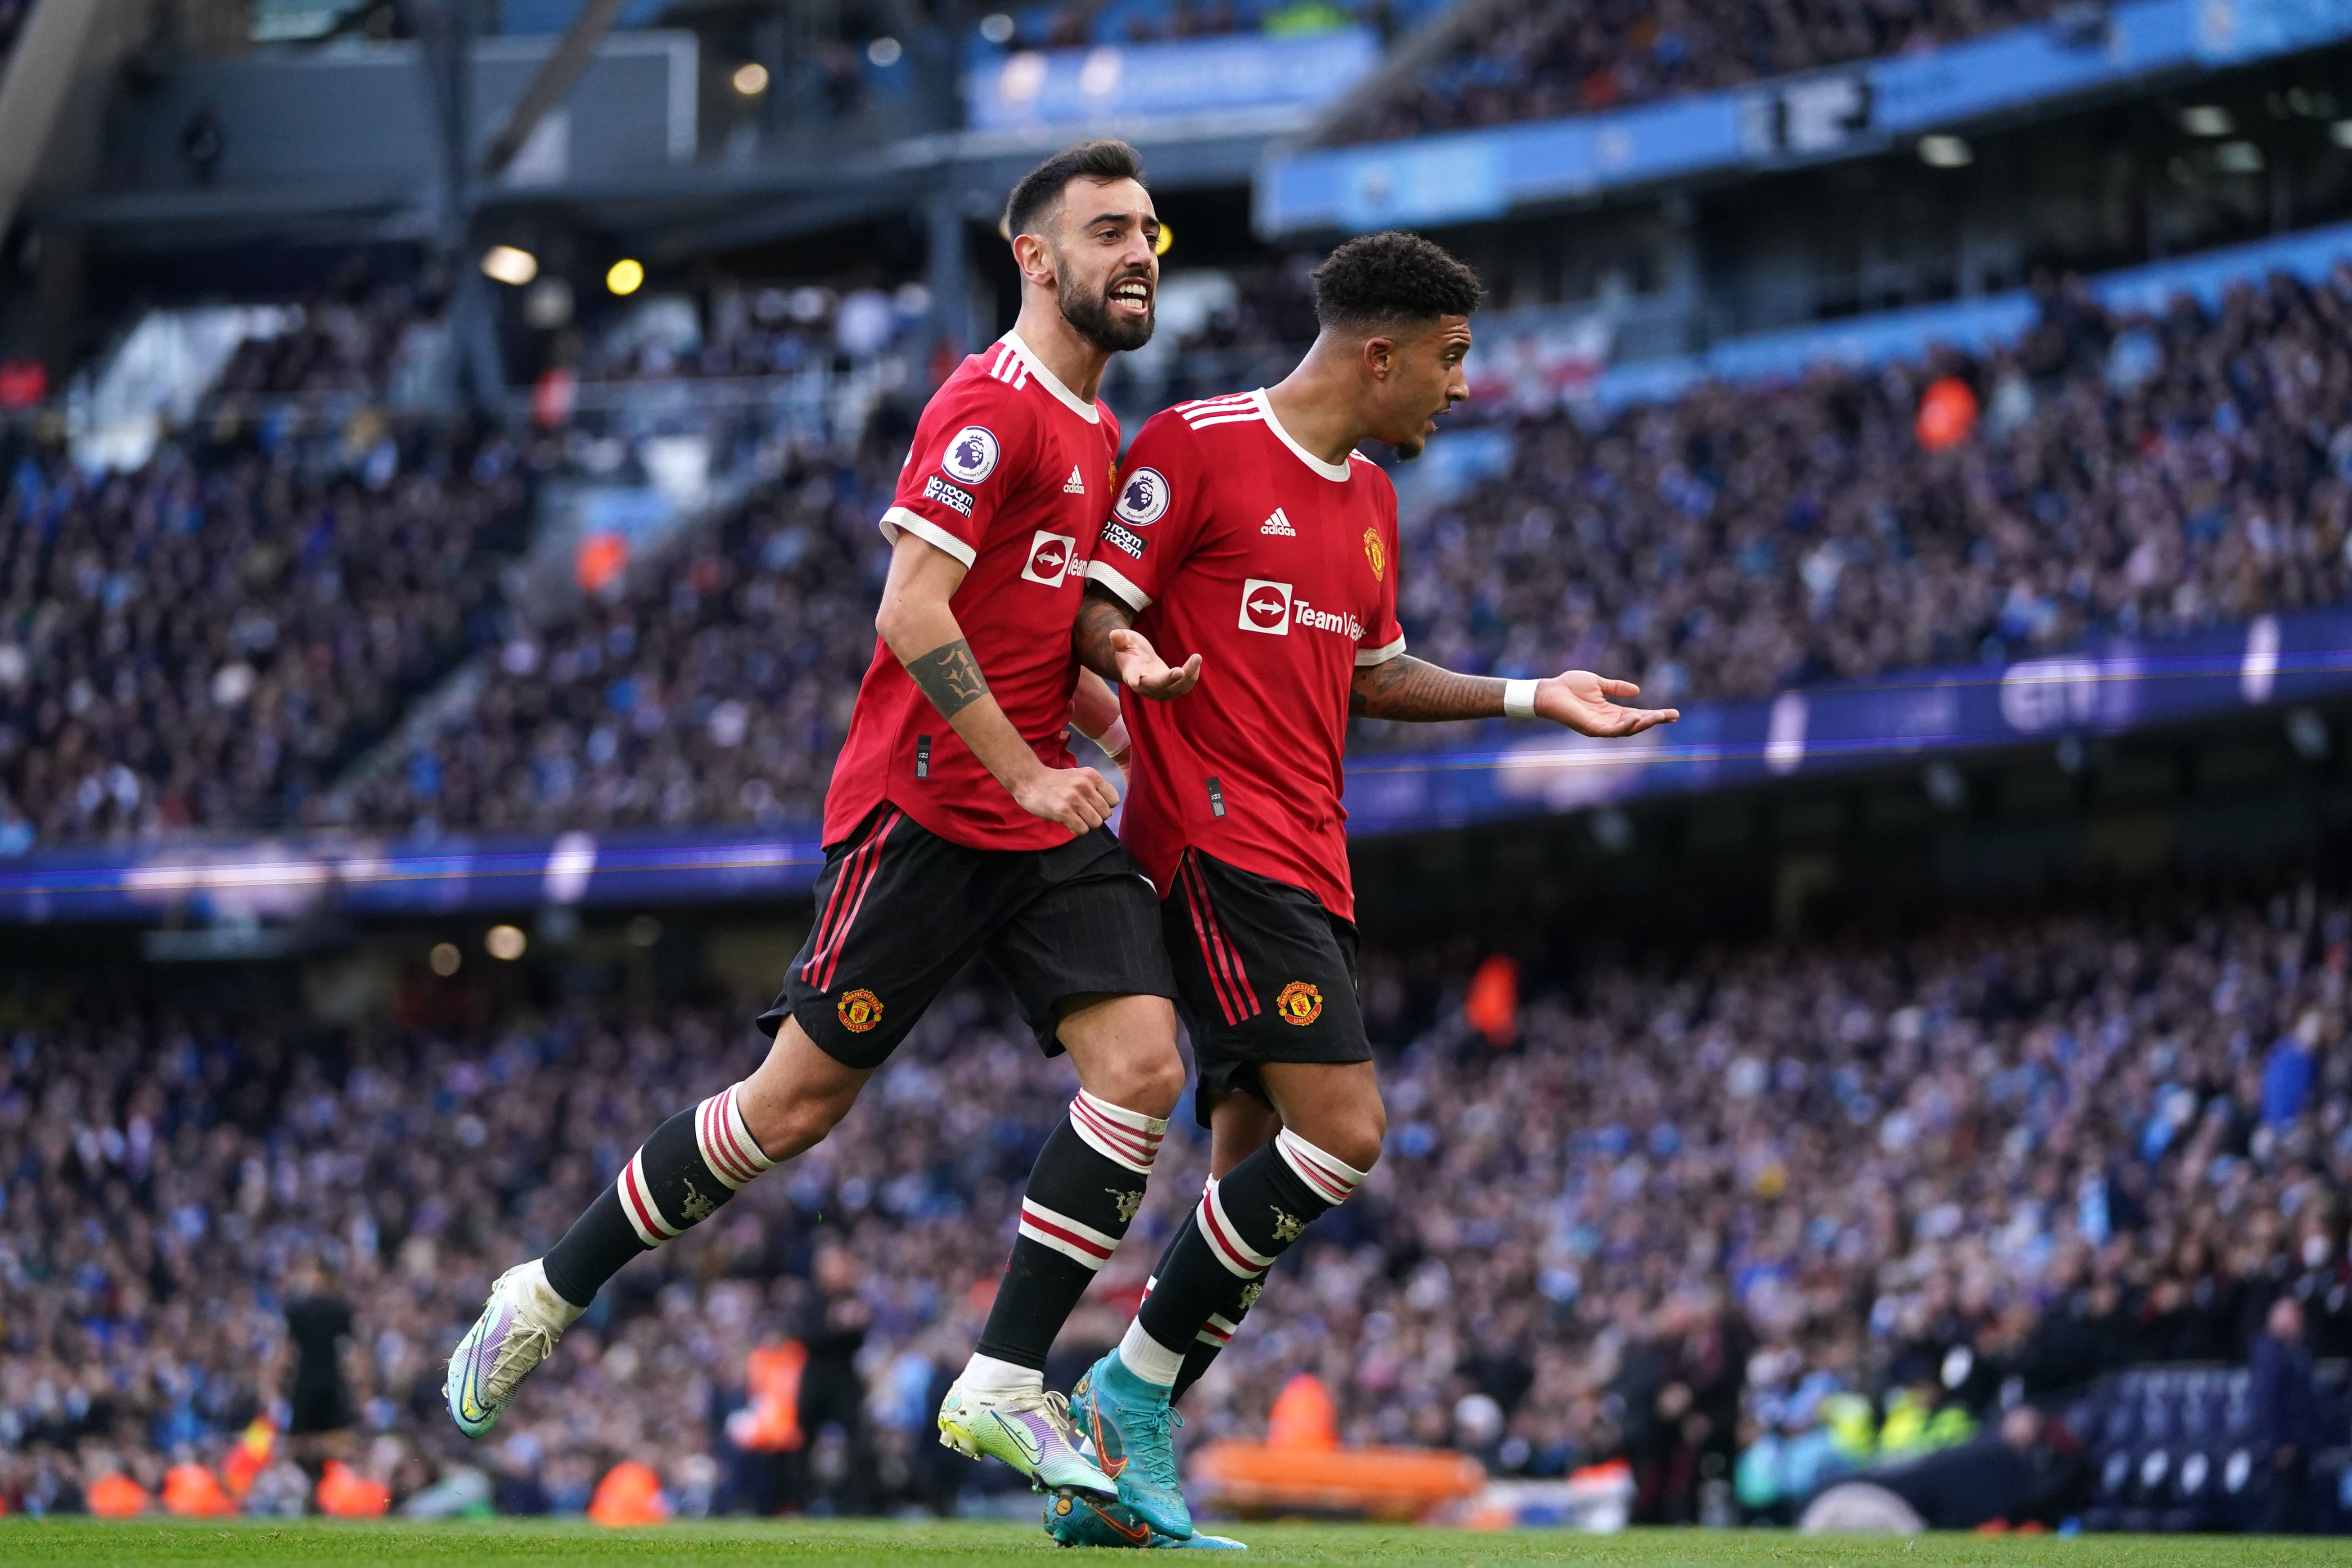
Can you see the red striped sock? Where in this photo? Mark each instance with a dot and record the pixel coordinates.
(1083, 1193)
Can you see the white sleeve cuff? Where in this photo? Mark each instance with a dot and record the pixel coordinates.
(1367, 657)
(930, 532)
(1135, 598)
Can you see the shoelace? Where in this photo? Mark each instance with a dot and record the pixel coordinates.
(1159, 1454)
(522, 1336)
(1057, 1414)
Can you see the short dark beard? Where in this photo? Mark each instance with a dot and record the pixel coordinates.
(1090, 315)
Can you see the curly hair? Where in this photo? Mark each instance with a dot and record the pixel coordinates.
(1390, 278)
(1039, 194)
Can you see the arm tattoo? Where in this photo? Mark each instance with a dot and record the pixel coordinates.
(1100, 614)
(1415, 690)
(949, 677)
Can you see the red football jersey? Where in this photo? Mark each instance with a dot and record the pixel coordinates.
(1231, 540)
(1008, 474)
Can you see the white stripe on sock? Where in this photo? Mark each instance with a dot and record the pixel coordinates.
(1126, 1138)
(715, 1146)
(637, 1202)
(745, 1144)
(1066, 1235)
(1217, 1229)
(1333, 1181)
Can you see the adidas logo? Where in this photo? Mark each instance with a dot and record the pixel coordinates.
(1278, 525)
(1075, 485)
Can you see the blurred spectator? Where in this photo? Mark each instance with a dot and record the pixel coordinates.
(318, 1323)
(836, 1460)
(2025, 1469)
(1538, 61)
(2286, 1425)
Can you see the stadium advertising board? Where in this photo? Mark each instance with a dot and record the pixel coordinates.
(2108, 688)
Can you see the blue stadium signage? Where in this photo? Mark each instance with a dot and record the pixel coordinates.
(2105, 690)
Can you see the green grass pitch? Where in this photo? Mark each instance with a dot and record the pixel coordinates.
(83, 1543)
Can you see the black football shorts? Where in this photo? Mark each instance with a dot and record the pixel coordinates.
(1263, 974)
(900, 911)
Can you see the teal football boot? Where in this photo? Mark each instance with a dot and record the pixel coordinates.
(1132, 1428)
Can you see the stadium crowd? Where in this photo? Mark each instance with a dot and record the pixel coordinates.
(718, 689)
(1655, 1211)
(2126, 474)
(350, 337)
(1536, 60)
(208, 640)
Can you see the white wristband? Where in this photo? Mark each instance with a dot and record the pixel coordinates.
(1113, 741)
(1518, 699)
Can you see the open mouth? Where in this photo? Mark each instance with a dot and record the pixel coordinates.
(1132, 294)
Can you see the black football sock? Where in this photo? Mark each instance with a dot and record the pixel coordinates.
(1083, 1193)
(684, 1175)
(1242, 1224)
(1215, 1335)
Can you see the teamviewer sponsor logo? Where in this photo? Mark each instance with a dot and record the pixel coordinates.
(1265, 608)
(1049, 558)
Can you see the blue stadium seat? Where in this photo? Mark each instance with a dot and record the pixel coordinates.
(2171, 1450)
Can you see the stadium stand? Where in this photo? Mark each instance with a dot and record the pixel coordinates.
(2124, 472)
(753, 330)
(2137, 474)
(208, 640)
(350, 338)
(2132, 473)
(1539, 61)
(718, 689)
(1878, 1189)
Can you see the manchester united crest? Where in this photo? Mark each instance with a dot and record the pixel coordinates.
(1300, 1004)
(1375, 553)
(860, 1010)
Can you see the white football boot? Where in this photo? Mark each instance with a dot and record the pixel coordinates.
(518, 1327)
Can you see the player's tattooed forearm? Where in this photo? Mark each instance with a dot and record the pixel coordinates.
(949, 677)
(1416, 692)
(1099, 614)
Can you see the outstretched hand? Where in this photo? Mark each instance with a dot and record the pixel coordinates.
(1143, 670)
(1592, 705)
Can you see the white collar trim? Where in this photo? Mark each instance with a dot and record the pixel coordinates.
(1335, 472)
(1053, 384)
